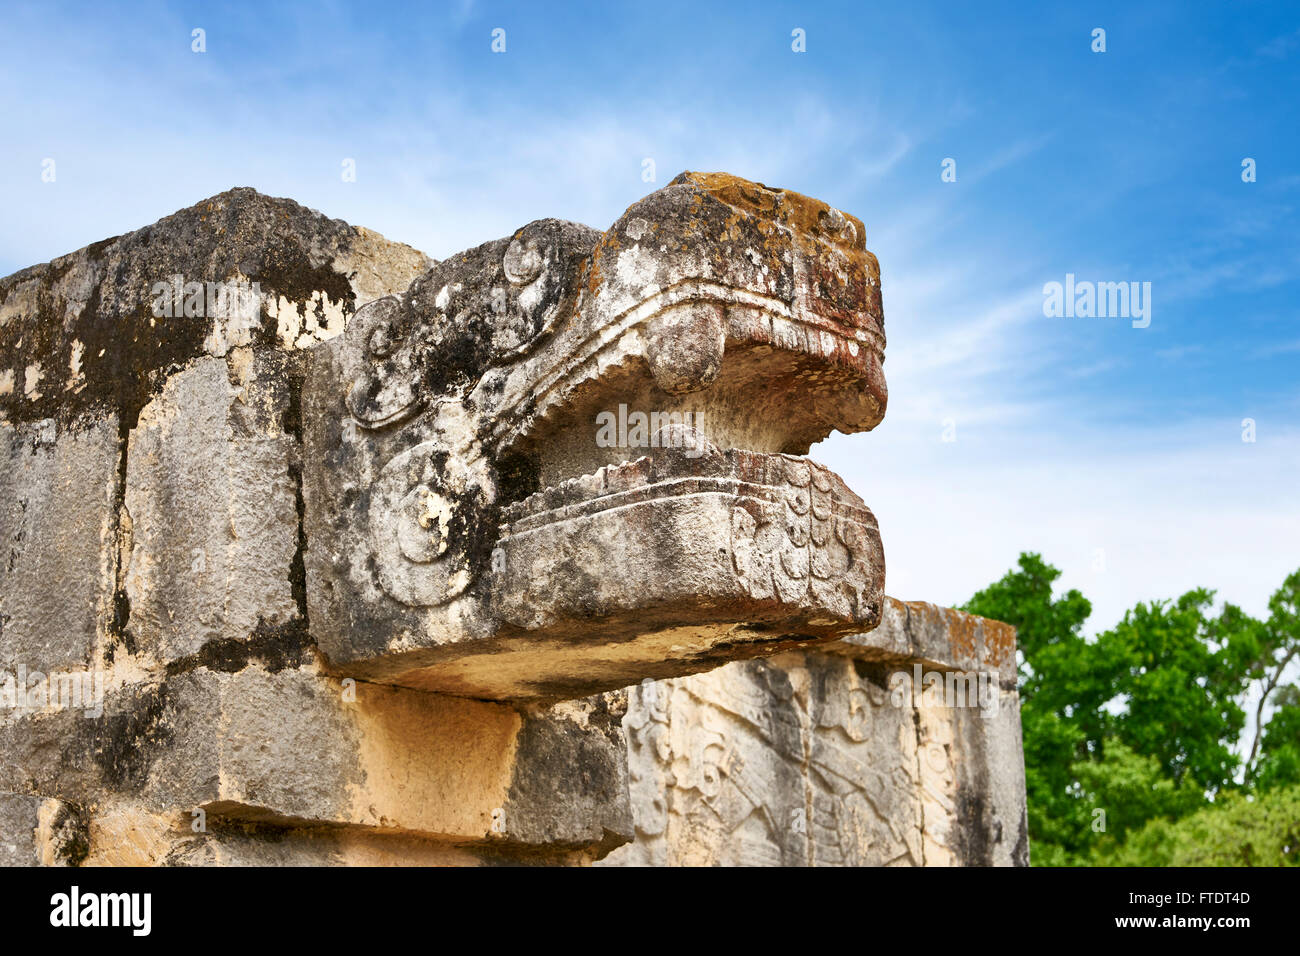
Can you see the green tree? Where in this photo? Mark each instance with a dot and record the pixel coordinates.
(1274, 758)
(1133, 789)
(1278, 763)
(1051, 646)
(1238, 829)
(1177, 676)
(1138, 724)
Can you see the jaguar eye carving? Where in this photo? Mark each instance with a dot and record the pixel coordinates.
(427, 513)
(385, 375)
(522, 262)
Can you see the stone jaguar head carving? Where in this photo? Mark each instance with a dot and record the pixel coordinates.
(471, 529)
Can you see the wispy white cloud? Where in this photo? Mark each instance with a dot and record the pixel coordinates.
(1150, 513)
(1008, 156)
(1280, 348)
(1280, 47)
(1177, 352)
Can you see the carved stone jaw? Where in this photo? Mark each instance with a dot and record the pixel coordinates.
(721, 556)
(470, 532)
(756, 310)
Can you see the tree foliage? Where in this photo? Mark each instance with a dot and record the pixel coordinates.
(1134, 739)
(1240, 829)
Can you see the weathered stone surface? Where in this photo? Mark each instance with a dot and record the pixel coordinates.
(211, 508)
(19, 844)
(79, 334)
(83, 350)
(827, 757)
(41, 832)
(940, 637)
(797, 760)
(972, 776)
(469, 529)
(298, 846)
(58, 489)
(289, 747)
(120, 833)
(269, 846)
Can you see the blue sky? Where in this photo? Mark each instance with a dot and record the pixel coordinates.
(1115, 451)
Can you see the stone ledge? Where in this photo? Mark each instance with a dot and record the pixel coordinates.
(288, 748)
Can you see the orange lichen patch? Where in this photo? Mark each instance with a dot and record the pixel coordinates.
(999, 642)
(801, 213)
(956, 627)
(843, 275)
(594, 275)
(962, 637)
(750, 234)
(970, 638)
(919, 608)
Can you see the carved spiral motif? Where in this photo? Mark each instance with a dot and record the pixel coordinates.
(427, 524)
(385, 391)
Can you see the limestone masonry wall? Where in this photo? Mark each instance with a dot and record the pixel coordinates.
(310, 554)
